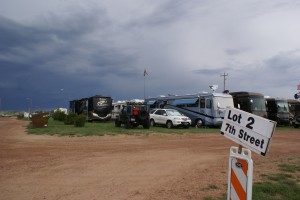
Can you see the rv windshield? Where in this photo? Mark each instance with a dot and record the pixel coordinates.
(222, 102)
(282, 106)
(258, 103)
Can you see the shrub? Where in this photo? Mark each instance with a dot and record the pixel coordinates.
(70, 119)
(59, 115)
(80, 121)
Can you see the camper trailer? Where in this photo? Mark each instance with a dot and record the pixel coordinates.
(204, 109)
(250, 102)
(95, 108)
(278, 110)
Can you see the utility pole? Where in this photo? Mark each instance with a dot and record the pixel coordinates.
(224, 75)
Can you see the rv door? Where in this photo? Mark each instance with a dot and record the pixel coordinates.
(208, 110)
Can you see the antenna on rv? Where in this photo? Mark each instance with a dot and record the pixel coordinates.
(213, 87)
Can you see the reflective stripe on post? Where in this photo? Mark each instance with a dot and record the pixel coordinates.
(240, 175)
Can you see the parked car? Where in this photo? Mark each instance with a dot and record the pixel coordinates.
(169, 117)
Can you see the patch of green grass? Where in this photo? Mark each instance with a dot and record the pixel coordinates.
(108, 128)
(289, 168)
(279, 186)
(213, 187)
(275, 186)
(280, 129)
(223, 197)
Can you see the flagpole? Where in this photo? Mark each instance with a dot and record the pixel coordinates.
(145, 73)
(144, 87)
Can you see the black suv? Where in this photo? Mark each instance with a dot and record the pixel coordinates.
(133, 114)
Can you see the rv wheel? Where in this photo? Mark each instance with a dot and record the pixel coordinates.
(199, 123)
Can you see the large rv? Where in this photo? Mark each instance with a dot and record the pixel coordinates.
(95, 108)
(278, 110)
(204, 109)
(250, 102)
(292, 108)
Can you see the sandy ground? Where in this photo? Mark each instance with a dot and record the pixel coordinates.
(123, 167)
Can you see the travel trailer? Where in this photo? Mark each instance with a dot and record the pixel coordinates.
(250, 102)
(95, 108)
(204, 109)
(278, 110)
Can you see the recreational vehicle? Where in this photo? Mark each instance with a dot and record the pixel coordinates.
(250, 102)
(278, 110)
(95, 108)
(117, 107)
(292, 108)
(204, 109)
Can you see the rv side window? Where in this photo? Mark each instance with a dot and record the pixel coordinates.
(202, 103)
(196, 104)
(208, 103)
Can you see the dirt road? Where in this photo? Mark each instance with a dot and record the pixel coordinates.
(123, 167)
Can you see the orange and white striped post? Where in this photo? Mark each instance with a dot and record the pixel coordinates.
(240, 174)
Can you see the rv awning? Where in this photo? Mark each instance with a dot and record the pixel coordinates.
(151, 102)
(184, 101)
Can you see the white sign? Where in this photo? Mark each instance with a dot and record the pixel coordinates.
(246, 129)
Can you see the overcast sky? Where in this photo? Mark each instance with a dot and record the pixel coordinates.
(59, 50)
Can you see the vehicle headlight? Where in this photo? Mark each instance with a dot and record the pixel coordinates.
(176, 118)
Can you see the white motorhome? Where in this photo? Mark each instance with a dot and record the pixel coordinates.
(204, 109)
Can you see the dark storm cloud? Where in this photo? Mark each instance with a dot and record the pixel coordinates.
(102, 47)
(55, 53)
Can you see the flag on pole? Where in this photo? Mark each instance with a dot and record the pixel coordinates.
(145, 72)
(298, 87)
